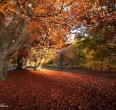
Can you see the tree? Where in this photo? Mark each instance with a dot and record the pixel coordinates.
(44, 47)
(101, 37)
(7, 43)
(19, 13)
(17, 16)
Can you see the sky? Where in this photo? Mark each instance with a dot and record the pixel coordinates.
(75, 32)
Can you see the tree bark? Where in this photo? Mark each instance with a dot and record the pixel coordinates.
(6, 66)
(38, 65)
(41, 63)
(19, 61)
(4, 60)
(9, 46)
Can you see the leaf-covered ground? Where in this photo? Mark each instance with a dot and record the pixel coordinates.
(57, 90)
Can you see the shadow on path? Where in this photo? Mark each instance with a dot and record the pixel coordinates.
(105, 74)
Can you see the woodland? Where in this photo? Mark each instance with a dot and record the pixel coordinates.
(57, 54)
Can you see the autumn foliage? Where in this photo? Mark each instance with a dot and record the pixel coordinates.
(50, 89)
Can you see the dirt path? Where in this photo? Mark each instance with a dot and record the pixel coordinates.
(57, 90)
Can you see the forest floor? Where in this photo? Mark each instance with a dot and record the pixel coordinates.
(58, 90)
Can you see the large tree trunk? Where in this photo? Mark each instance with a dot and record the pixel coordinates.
(6, 66)
(3, 66)
(9, 41)
(2, 61)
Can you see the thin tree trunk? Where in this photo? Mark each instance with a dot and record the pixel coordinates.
(39, 64)
(19, 61)
(35, 65)
(62, 59)
(108, 65)
(102, 64)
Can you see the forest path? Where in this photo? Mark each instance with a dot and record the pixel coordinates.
(57, 90)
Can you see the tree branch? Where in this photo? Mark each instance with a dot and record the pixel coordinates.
(19, 41)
